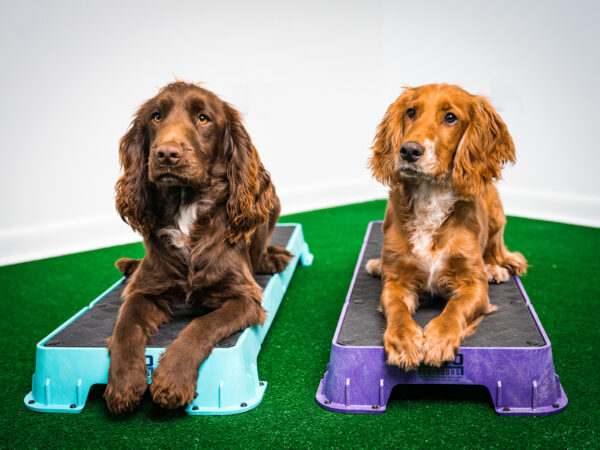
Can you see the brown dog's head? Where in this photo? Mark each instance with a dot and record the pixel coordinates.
(443, 134)
(181, 138)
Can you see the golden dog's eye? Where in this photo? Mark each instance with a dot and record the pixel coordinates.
(202, 119)
(450, 118)
(411, 113)
(156, 117)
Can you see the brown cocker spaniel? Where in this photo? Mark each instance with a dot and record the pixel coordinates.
(194, 187)
(440, 149)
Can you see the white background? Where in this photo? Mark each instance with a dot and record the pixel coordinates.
(312, 79)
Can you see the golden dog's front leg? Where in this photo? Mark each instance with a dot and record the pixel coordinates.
(443, 336)
(403, 338)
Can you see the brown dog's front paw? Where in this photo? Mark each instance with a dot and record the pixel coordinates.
(441, 340)
(123, 393)
(127, 265)
(403, 346)
(173, 385)
(274, 260)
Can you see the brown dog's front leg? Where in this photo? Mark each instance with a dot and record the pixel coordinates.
(174, 379)
(139, 318)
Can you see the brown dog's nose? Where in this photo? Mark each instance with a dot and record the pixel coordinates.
(169, 154)
(411, 151)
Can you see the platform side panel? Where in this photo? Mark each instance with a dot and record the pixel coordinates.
(228, 378)
(63, 377)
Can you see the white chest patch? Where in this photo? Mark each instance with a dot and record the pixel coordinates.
(432, 205)
(178, 235)
(185, 219)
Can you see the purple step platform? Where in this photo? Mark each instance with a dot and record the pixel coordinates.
(510, 353)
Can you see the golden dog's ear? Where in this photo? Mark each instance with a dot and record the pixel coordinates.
(484, 149)
(250, 190)
(133, 189)
(387, 140)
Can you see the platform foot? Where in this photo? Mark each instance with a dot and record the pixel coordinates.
(378, 407)
(306, 257)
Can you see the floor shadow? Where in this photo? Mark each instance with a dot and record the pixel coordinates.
(146, 407)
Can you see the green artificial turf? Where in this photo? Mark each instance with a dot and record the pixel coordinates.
(562, 282)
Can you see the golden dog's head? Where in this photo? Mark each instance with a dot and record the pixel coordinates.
(442, 134)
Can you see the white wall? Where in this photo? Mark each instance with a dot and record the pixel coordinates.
(312, 79)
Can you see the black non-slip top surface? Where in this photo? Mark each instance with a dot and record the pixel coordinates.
(92, 328)
(512, 325)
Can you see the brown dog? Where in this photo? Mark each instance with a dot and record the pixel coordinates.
(440, 149)
(194, 187)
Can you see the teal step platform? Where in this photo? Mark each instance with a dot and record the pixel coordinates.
(74, 357)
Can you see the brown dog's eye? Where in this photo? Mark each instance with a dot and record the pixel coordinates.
(450, 118)
(202, 119)
(411, 113)
(156, 117)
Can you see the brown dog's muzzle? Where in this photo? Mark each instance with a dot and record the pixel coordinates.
(169, 154)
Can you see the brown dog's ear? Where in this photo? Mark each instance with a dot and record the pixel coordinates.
(484, 149)
(134, 196)
(250, 189)
(387, 140)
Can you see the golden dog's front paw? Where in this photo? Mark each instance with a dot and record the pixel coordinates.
(374, 267)
(403, 346)
(441, 340)
(496, 274)
(173, 385)
(515, 263)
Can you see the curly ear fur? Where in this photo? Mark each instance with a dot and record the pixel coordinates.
(250, 190)
(387, 140)
(134, 199)
(485, 148)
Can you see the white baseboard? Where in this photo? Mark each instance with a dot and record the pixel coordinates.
(326, 195)
(43, 241)
(554, 206)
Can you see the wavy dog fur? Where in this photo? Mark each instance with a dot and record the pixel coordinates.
(440, 149)
(194, 187)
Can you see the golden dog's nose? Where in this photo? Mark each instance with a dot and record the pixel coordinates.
(411, 151)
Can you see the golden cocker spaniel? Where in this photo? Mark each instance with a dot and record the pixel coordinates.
(440, 149)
